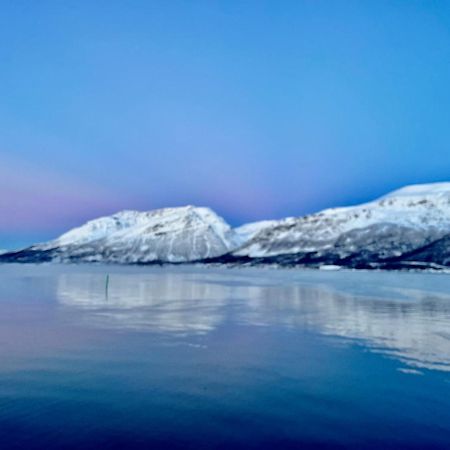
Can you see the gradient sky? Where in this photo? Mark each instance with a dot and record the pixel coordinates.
(259, 109)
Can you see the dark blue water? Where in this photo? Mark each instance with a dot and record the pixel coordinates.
(219, 358)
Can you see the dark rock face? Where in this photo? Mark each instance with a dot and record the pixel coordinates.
(28, 256)
(437, 252)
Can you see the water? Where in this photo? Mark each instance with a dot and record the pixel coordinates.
(223, 358)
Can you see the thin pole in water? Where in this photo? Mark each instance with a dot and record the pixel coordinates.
(107, 285)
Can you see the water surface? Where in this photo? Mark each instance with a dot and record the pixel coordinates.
(191, 357)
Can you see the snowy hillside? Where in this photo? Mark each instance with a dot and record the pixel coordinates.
(398, 222)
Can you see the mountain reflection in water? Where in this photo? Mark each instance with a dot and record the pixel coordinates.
(406, 316)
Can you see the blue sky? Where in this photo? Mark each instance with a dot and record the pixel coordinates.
(259, 109)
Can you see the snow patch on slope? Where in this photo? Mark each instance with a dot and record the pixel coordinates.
(250, 230)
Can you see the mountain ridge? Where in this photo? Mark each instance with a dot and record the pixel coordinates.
(406, 226)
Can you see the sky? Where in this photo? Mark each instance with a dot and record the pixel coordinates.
(258, 109)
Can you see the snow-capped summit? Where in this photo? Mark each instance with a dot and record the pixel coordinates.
(422, 190)
(168, 235)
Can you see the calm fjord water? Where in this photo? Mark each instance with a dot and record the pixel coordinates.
(222, 358)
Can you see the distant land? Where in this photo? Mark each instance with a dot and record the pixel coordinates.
(406, 229)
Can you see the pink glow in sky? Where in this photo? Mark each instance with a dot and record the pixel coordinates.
(38, 199)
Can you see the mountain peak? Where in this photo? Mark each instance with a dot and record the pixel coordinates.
(175, 234)
(421, 190)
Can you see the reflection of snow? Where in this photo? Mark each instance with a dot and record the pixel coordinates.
(415, 329)
(411, 324)
(166, 302)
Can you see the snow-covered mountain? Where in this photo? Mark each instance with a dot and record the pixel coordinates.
(165, 235)
(387, 228)
(409, 227)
